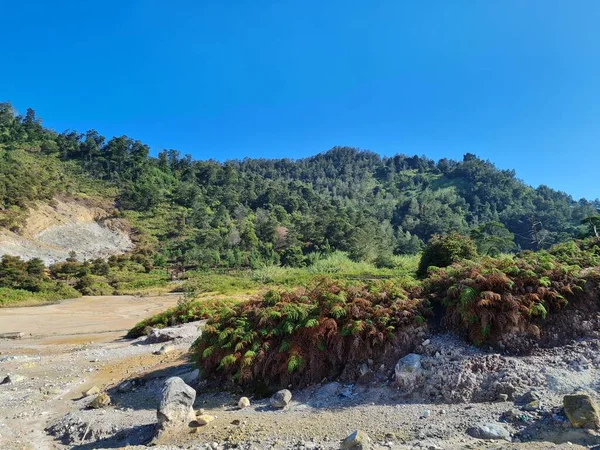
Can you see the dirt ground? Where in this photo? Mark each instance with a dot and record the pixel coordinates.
(72, 346)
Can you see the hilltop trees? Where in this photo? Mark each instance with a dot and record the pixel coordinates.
(204, 214)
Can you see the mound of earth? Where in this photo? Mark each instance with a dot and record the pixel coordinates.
(53, 230)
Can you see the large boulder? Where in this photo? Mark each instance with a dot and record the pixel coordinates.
(281, 399)
(408, 370)
(176, 404)
(581, 410)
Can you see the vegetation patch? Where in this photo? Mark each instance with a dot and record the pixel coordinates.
(493, 298)
(184, 312)
(299, 337)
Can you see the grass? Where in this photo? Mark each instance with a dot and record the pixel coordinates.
(19, 297)
(127, 282)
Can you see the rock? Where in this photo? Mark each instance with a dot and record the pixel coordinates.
(94, 390)
(187, 331)
(408, 369)
(12, 335)
(164, 350)
(204, 419)
(243, 402)
(281, 398)
(502, 398)
(489, 431)
(191, 378)
(530, 396)
(581, 410)
(532, 406)
(13, 379)
(175, 407)
(364, 369)
(426, 342)
(101, 401)
(359, 440)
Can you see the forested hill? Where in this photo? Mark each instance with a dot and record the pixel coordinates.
(258, 211)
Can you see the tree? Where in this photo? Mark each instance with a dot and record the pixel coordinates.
(442, 251)
(593, 224)
(493, 238)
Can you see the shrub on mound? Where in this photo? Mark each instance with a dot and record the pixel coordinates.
(184, 312)
(441, 251)
(495, 297)
(303, 336)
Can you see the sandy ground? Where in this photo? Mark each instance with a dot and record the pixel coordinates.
(68, 347)
(72, 346)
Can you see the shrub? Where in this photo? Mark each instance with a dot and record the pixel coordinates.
(495, 297)
(441, 251)
(300, 337)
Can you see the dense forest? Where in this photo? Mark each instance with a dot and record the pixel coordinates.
(255, 212)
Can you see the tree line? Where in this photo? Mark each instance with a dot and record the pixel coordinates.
(252, 212)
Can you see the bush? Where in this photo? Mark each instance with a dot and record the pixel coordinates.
(495, 297)
(303, 336)
(441, 251)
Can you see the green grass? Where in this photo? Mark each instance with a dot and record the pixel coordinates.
(141, 283)
(19, 297)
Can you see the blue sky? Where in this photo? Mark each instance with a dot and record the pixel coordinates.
(516, 82)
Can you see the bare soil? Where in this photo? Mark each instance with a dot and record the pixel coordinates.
(74, 345)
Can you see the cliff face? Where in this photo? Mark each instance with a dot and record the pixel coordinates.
(53, 230)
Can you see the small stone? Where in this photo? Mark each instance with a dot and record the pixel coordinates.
(502, 398)
(191, 378)
(425, 414)
(408, 369)
(530, 396)
(204, 419)
(359, 440)
(532, 406)
(364, 369)
(101, 401)
(426, 342)
(94, 390)
(13, 379)
(281, 398)
(489, 431)
(164, 350)
(581, 410)
(244, 402)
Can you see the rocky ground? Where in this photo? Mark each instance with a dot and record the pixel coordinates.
(449, 396)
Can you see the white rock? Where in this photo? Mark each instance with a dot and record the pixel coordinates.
(175, 408)
(164, 350)
(359, 440)
(281, 398)
(244, 402)
(191, 378)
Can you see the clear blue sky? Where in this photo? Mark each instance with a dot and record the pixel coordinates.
(517, 82)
